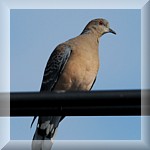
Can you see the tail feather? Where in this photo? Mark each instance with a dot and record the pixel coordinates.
(45, 131)
(33, 121)
(41, 143)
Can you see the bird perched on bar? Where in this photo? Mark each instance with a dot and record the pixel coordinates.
(72, 66)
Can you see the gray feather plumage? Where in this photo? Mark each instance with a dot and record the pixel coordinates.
(47, 125)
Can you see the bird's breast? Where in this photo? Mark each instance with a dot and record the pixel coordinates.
(80, 71)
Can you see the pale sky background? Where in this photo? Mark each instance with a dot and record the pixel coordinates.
(34, 35)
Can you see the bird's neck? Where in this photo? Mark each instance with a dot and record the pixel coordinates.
(91, 32)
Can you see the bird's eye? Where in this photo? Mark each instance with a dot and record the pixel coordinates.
(101, 23)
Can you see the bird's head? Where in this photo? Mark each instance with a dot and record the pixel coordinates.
(99, 26)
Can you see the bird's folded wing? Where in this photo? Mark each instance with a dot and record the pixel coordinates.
(55, 66)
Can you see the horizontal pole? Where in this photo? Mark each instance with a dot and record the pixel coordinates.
(78, 103)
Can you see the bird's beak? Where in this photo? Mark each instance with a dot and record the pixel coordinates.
(112, 31)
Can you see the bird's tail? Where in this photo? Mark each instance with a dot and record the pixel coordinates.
(45, 131)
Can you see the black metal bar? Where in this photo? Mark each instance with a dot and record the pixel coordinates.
(93, 103)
